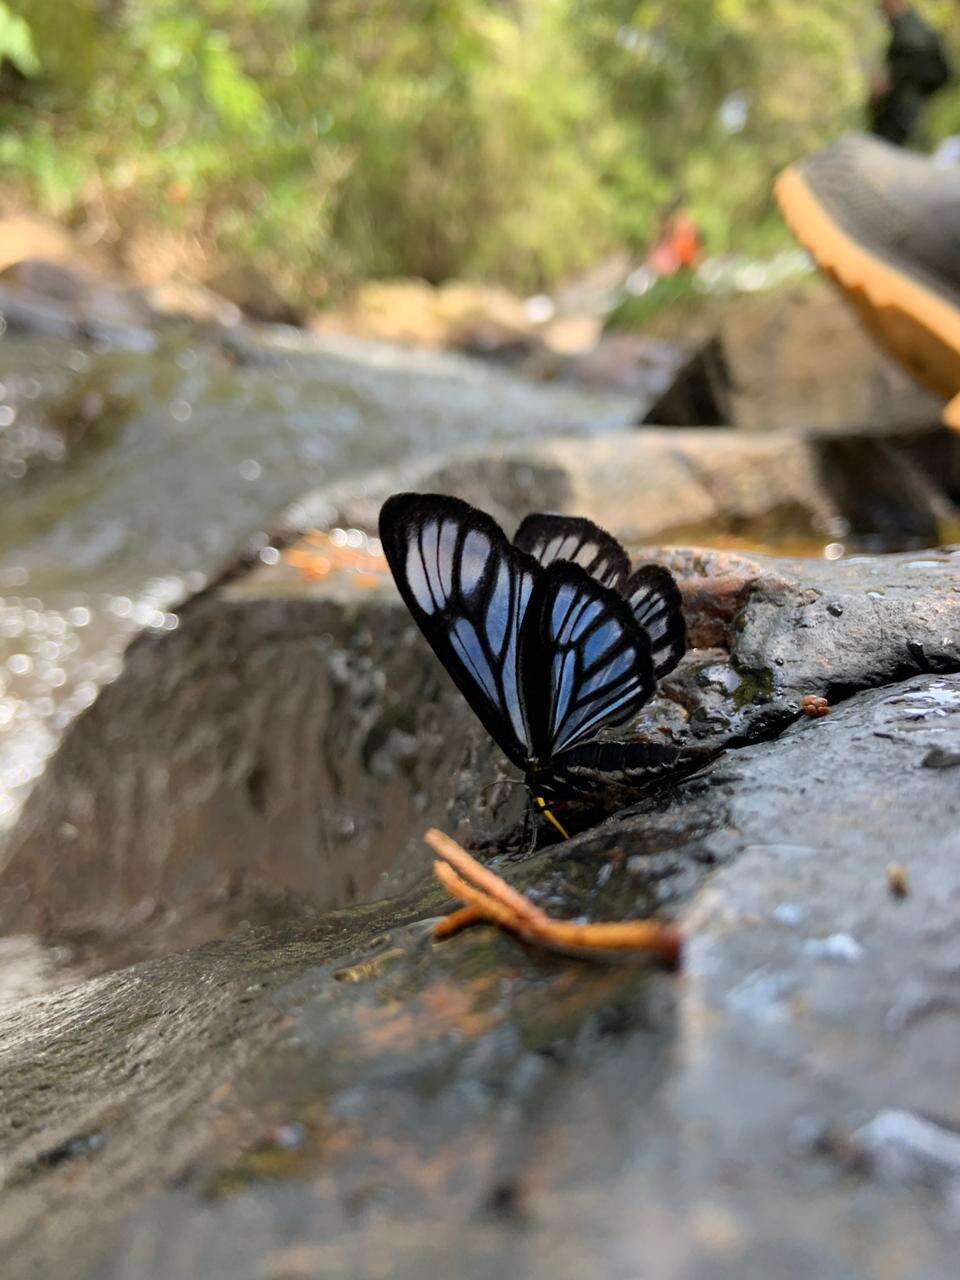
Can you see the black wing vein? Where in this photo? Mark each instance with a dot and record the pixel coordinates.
(654, 597)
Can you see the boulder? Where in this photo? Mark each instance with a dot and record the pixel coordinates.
(777, 487)
(182, 300)
(254, 293)
(340, 1096)
(700, 393)
(70, 299)
(230, 1047)
(473, 318)
(794, 359)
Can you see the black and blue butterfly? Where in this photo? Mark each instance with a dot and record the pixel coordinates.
(550, 638)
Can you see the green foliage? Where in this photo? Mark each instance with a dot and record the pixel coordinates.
(517, 140)
(16, 42)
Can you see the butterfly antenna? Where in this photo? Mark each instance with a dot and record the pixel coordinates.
(551, 817)
(502, 782)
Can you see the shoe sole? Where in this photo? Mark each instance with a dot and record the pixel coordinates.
(917, 326)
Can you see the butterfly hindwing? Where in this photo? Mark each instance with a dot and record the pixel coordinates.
(652, 591)
(585, 663)
(469, 591)
(654, 597)
(550, 537)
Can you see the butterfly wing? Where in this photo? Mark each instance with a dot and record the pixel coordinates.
(469, 591)
(652, 592)
(549, 538)
(585, 663)
(654, 597)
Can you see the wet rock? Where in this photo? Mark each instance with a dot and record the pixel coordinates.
(800, 629)
(942, 758)
(479, 1102)
(58, 281)
(94, 300)
(23, 312)
(298, 1082)
(302, 735)
(659, 484)
(795, 359)
(699, 394)
(63, 301)
(278, 770)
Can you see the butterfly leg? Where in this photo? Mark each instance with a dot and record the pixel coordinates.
(529, 840)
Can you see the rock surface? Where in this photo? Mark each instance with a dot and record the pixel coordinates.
(66, 299)
(275, 1073)
(347, 1099)
(779, 487)
(796, 359)
(302, 737)
(298, 744)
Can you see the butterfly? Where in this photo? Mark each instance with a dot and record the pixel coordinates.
(550, 638)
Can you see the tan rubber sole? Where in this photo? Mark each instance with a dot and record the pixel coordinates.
(915, 325)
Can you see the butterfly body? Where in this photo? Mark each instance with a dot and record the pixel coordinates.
(547, 651)
(599, 774)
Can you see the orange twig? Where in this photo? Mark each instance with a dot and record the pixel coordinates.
(487, 908)
(490, 898)
(482, 877)
(458, 921)
(661, 939)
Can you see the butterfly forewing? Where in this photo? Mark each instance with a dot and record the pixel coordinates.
(654, 597)
(549, 538)
(468, 590)
(584, 661)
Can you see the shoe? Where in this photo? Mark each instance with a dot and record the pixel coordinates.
(884, 224)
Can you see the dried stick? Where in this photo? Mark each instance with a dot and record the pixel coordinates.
(457, 921)
(482, 877)
(488, 908)
(490, 898)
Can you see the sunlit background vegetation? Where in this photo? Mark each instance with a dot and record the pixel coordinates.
(323, 142)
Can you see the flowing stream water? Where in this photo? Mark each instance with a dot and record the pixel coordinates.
(130, 474)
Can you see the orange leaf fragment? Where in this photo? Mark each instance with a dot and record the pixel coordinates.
(814, 706)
